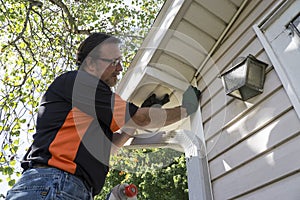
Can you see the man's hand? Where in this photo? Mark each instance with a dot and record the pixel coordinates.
(119, 139)
(115, 192)
(190, 99)
(153, 101)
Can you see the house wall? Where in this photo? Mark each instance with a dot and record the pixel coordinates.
(252, 146)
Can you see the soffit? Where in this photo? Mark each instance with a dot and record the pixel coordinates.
(183, 36)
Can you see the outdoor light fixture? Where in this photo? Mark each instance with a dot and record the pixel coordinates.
(245, 79)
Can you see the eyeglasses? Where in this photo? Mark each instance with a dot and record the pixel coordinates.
(113, 62)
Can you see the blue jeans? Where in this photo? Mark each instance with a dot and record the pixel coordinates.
(48, 184)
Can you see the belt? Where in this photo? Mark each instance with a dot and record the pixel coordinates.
(39, 165)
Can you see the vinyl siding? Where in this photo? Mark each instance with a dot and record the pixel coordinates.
(252, 146)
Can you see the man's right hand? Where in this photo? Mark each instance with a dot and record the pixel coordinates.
(153, 101)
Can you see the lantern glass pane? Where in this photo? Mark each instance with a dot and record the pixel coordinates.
(235, 78)
(247, 92)
(255, 74)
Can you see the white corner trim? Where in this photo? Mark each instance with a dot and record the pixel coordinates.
(288, 86)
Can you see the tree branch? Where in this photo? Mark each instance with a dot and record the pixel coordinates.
(20, 35)
(71, 20)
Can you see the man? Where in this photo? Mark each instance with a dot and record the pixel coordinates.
(76, 120)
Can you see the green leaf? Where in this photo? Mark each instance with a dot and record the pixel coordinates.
(11, 182)
(8, 170)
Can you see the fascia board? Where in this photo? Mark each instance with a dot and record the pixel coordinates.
(151, 43)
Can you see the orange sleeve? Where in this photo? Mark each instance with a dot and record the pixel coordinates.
(119, 113)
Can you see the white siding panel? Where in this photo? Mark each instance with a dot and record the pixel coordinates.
(285, 189)
(211, 74)
(264, 139)
(242, 33)
(244, 46)
(216, 85)
(214, 105)
(254, 11)
(247, 45)
(252, 48)
(205, 20)
(242, 29)
(248, 142)
(277, 163)
(236, 107)
(210, 90)
(255, 118)
(209, 64)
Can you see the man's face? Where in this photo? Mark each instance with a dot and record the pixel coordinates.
(107, 67)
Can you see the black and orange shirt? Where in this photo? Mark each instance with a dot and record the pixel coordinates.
(76, 119)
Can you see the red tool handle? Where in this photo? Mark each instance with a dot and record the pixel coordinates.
(131, 190)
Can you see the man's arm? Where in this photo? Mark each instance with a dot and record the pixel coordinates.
(119, 139)
(147, 118)
(154, 117)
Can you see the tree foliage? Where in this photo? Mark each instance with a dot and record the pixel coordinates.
(38, 42)
(158, 174)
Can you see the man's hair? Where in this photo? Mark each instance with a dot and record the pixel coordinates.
(91, 42)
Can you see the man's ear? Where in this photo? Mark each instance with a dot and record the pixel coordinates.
(90, 65)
